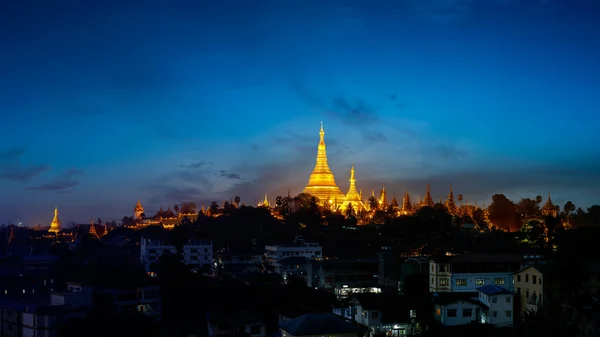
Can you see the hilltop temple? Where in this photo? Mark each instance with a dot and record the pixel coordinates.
(55, 225)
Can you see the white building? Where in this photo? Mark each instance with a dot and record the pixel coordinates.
(298, 249)
(196, 253)
(466, 273)
(490, 305)
(464, 308)
(499, 305)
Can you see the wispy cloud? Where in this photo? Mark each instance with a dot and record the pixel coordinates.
(11, 167)
(62, 183)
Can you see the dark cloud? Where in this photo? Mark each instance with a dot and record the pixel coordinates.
(229, 175)
(62, 183)
(355, 113)
(196, 165)
(12, 169)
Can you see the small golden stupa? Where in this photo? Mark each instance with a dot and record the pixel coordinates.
(55, 226)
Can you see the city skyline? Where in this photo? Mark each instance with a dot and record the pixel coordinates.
(208, 102)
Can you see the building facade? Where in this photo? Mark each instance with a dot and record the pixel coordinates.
(196, 253)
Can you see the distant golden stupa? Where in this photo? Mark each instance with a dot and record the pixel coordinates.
(55, 226)
(321, 183)
(353, 197)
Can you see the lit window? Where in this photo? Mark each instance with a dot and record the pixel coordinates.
(444, 282)
(479, 281)
(499, 281)
(461, 282)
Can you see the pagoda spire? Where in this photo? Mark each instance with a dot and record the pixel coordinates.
(265, 202)
(321, 183)
(394, 203)
(407, 206)
(353, 197)
(549, 209)
(55, 226)
(450, 204)
(93, 228)
(383, 198)
(428, 201)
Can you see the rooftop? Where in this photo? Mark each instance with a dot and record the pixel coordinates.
(491, 290)
(318, 324)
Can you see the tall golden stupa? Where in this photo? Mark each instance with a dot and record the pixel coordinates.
(321, 183)
(55, 226)
(353, 197)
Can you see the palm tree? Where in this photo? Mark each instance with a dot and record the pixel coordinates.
(349, 210)
(373, 205)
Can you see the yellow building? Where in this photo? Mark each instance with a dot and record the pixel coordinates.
(529, 286)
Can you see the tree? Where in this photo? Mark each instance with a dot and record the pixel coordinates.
(214, 207)
(99, 222)
(528, 207)
(503, 212)
(176, 208)
(349, 211)
(539, 199)
(373, 204)
(237, 201)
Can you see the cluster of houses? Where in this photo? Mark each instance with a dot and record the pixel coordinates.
(494, 289)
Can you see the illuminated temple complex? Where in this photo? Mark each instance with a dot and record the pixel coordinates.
(322, 185)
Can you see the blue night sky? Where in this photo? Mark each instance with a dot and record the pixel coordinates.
(107, 102)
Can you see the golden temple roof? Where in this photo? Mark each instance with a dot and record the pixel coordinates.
(139, 207)
(321, 183)
(55, 225)
(353, 197)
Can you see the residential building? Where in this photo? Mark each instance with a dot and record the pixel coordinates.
(529, 288)
(325, 324)
(392, 268)
(77, 296)
(498, 305)
(381, 314)
(489, 304)
(196, 253)
(457, 308)
(146, 300)
(466, 273)
(298, 248)
(292, 266)
(340, 276)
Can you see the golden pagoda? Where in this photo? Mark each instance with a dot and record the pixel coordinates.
(55, 225)
(549, 209)
(353, 197)
(265, 202)
(92, 230)
(138, 211)
(428, 201)
(321, 183)
(383, 203)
